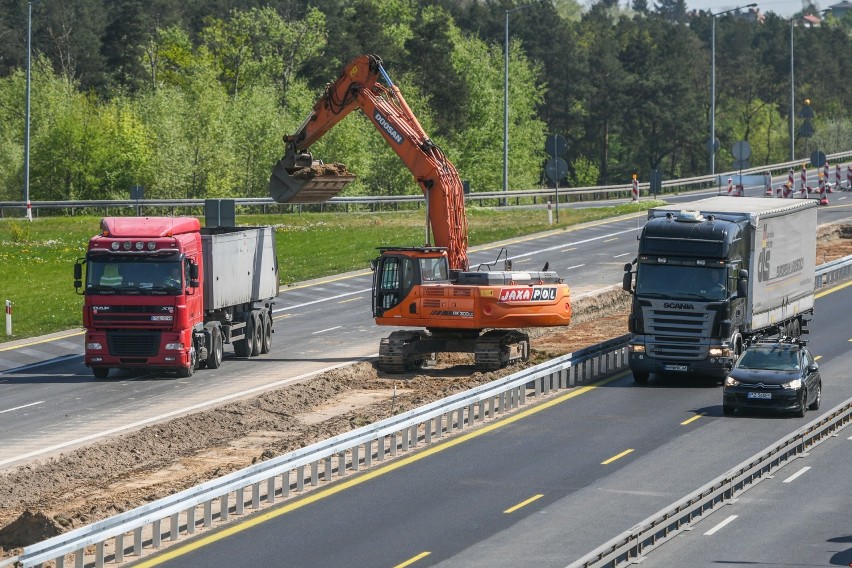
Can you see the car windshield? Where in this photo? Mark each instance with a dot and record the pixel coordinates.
(775, 359)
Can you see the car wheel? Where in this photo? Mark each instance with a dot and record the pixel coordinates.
(641, 377)
(727, 410)
(803, 406)
(817, 398)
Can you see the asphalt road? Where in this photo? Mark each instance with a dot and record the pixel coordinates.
(51, 402)
(551, 483)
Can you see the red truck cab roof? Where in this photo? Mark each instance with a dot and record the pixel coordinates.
(133, 227)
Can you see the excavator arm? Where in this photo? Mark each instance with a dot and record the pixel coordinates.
(298, 178)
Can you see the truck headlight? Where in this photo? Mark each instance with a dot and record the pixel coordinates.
(795, 384)
(721, 352)
(174, 346)
(637, 347)
(94, 346)
(731, 381)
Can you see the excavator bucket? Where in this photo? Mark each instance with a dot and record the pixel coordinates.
(315, 183)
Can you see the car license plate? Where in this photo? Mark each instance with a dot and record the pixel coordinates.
(676, 368)
(760, 395)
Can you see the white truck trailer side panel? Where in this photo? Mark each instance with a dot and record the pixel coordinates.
(239, 266)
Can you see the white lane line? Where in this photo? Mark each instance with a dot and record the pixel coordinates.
(797, 474)
(185, 410)
(324, 330)
(718, 527)
(584, 241)
(40, 364)
(622, 254)
(302, 305)
(22, 406)
(575, 266)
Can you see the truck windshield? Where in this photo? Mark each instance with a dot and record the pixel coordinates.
(134, 275)
(681, 282)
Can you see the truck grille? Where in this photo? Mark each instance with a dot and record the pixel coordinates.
(681, 334)
(133, 344)
(130, 316)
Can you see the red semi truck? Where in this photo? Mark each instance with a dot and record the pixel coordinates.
(165, 293)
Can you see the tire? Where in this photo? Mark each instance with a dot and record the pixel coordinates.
(266, 345)
(186, 372)
(257, 336)
(817, 398)
(242, 347)
(727, 410)
(100, 372)
(641, 377)
(215, 349)
(803, 407)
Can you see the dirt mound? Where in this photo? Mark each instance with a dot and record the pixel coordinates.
(322, 170)
(28, 529)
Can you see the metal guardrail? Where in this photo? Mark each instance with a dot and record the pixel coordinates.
(685, 184)
(631, 545)
(296, 472)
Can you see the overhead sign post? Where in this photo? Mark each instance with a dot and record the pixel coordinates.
(556, 168)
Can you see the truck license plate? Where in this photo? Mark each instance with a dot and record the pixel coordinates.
(676, 368)
(761, 395)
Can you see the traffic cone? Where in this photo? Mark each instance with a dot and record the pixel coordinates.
(730, 186)
(788, 190)
(768, 183)
(823, 200)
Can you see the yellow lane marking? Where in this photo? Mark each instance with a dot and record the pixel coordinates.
(568, 249)
(411, 561)
(523, 503)
(48, 340)
(817, 357)
(616, 457)
(350, 300)
(319, 494)
(693, 419)
(610, 240)
(831, 290)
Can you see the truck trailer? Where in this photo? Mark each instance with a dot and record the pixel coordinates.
(713, 275)
(164, 293)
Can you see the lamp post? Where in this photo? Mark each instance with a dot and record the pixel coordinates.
(711, 145)
(506, 102)
(792, 99)
(27, 112)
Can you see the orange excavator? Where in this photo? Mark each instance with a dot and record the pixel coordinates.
(429, 287)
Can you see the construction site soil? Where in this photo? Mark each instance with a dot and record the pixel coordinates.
(44, 498)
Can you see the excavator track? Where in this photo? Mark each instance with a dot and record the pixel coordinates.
(497, 348)
(398, 354)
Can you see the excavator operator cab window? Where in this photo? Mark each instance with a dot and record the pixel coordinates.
(396, 277)
(434, 269)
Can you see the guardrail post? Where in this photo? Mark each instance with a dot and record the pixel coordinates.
(380, 449)
(119, 549)
(174, 527)
(393, 444)
(414, 436)
(255, 495)
(300, 479)
(190, 520)
(405, 439)
(137, 541)
(224, 507)
(241, 500)
(314, 473)
(270, 490)
(341, 464)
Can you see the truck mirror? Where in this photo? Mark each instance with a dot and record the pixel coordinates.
(627, 282)
(193, 272)
(78, 271)
(628, 267)
(743, 274)
(373, 264)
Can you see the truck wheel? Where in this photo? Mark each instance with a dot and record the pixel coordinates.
(186, 372)
(266, 345)
(100, 372)
(641, 377)
(215, 349)
(242, 347)
(257, 336)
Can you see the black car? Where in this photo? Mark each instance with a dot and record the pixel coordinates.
(774, 375)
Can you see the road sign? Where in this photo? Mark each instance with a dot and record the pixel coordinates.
(555, 145)
(741, 164)
(741, 150)
(656, 181)
(555, 169)
(806, 130)
(818, 159)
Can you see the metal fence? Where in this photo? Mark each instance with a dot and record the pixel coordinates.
(270, 482)
(266, 204)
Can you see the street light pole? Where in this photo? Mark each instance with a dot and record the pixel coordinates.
(506, 100)
(711, 145)
(792, 100)
(27, 112)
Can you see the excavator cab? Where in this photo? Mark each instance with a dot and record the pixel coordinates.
(400, 269)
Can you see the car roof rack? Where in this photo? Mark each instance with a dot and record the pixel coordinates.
(783, 339)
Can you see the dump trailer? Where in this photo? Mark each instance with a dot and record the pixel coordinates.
(165, 293)
(713, 275)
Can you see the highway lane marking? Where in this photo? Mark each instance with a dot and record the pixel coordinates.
(797, 474)
(15, 370)
(575, 266)
(693, 419)
(350, 300)
(343, 485)
(817, 357)
(622, 254)
(185, 410)
(22, 406)
(832, 290)
(568, 249)
(719, 527)
(617, 457)
(610, 240)
(412, 560)
(328, 329)
(47, 340)
(337, 297)
(523, 503)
